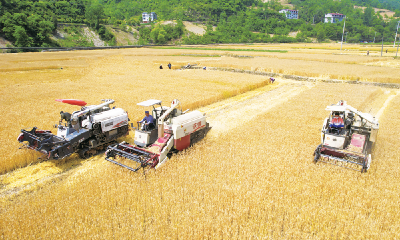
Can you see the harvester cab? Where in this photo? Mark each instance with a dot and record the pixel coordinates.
(174, 131)
(347, 137)
(148, 134)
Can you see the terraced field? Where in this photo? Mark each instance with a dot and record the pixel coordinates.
(251, 177)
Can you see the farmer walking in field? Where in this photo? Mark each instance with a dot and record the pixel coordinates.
(169, 65)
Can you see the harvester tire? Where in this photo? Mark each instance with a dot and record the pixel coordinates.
(96, 126)
(85, 153)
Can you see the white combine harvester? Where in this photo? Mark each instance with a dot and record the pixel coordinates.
(173, 130)
(86, 131)
(351, 145)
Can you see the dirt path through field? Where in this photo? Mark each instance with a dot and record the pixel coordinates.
(231, 114)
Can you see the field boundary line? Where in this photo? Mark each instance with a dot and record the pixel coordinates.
(388, 100)
(308, 79)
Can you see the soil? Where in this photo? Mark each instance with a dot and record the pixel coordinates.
(196, 29)
(92, 36)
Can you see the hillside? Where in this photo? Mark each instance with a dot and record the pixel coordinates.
(201, 22)
(385, 13)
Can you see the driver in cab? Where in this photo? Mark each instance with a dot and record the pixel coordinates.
(147, 121)
(336, 122)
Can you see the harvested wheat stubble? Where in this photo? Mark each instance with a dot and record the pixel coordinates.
(258, 182)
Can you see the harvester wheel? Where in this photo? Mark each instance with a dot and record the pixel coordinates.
(96, 126)
(85, 153)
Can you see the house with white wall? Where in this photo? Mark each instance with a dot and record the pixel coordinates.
(149, 17)
(290, 14)
(334, 17)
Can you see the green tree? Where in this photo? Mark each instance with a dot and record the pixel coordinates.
(21, 37)
(320, 32)
(368, 16)
(94, 14)
(161, 37)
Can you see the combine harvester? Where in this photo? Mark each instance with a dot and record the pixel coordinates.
(349, 146)
(173, 131)
(86, 131)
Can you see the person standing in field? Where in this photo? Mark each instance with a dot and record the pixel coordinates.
(169, 65)
(368, 53)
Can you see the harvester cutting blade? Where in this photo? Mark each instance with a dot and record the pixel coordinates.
(141, 158)
(45, 142)
(341, 158)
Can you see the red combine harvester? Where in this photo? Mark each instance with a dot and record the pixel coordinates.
(348, 137)
(173, 130)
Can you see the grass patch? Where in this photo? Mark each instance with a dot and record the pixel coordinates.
(197, 55)
(224, 49)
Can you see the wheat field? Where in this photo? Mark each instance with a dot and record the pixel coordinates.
(252, 177)
(28, 95)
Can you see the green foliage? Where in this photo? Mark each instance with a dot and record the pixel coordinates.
(27, 24)
(74, 38)
(94, 13)
(161, 34)
(245, 21)
(321, 35)
(106, 35)
(21, 37)
(386, 4)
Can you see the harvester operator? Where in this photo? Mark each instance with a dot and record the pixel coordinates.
(148, 121)
(67, 117)
(337, 122)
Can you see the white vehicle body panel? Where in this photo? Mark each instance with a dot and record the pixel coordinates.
(188, 123)
(142, 137)
(335, 141)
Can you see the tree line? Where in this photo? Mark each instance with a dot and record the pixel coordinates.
(32, 23)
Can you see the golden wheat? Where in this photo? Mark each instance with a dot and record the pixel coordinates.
(28, 96)
(253, 182)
